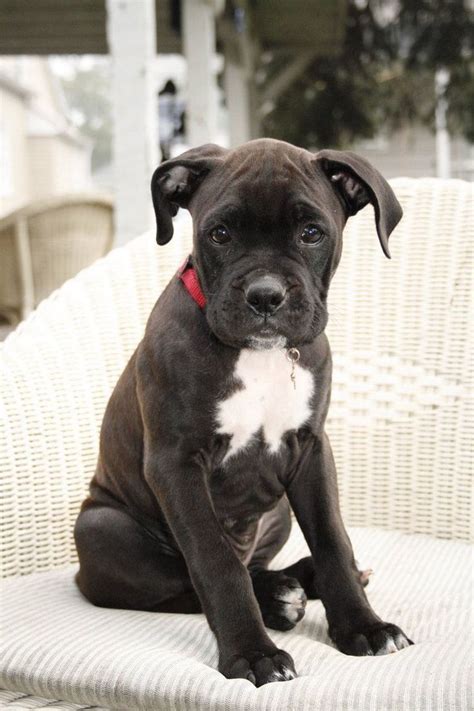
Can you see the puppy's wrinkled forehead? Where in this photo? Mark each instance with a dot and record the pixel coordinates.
(264, 177)
(267, 161)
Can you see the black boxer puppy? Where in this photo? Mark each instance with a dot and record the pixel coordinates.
(216, 426)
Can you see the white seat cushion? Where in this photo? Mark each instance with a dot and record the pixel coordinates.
(19, 701)
(58, 646)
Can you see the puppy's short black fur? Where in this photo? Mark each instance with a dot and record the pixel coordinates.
(189, 504)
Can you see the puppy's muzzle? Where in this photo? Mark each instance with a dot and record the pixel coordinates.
(265, 295)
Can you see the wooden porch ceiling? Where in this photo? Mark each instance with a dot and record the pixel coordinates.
(70, 27)
(79, 26)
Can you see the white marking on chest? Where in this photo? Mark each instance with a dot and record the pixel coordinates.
(267, 399)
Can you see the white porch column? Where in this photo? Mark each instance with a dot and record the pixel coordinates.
(199, 42)
(132, 43)
(239, 104)
(242, 97)
(443, 146)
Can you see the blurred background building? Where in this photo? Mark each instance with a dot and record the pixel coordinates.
(93, 92)
(42, 153)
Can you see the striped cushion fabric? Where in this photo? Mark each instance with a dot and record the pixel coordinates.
(58, 646)
(18, 701)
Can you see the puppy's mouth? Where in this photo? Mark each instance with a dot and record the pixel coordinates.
(257, 336)
(265, 335)
(264, 342)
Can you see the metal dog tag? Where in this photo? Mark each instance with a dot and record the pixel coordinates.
(293, 355)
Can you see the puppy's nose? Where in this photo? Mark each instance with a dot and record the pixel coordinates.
(265, 295)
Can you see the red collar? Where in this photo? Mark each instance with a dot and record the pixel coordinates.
(190, 279)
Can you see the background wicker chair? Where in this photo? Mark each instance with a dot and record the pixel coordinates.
(400, 425)
(47, 242)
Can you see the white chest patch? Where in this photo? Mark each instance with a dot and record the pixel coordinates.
(267, 400)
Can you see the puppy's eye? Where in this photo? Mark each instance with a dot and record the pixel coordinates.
(311, 235)
(219, 235)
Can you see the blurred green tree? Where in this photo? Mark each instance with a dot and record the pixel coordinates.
(383, 76)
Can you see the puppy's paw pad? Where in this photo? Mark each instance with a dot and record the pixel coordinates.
(364, 573)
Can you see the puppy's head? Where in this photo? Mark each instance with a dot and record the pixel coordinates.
(268, 220)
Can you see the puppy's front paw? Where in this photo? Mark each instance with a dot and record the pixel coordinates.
(259, 667)
(378, 639)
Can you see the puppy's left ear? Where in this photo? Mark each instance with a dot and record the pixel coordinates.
(175, 181)
(359, 183)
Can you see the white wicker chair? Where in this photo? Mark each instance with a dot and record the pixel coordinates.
(47, 242)
(400, 427)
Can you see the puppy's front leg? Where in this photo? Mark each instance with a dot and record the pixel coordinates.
(219, 578)
(313, 495)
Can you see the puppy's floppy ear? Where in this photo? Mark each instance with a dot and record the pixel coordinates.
(175, 181)
(359, 183)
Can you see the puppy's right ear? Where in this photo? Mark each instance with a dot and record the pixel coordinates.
(174, 182)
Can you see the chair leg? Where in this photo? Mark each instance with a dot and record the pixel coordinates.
(12, 316)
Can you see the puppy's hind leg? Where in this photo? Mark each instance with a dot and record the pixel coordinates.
(305, 572)
(282, 594)
(121, 565)
(281, 597)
